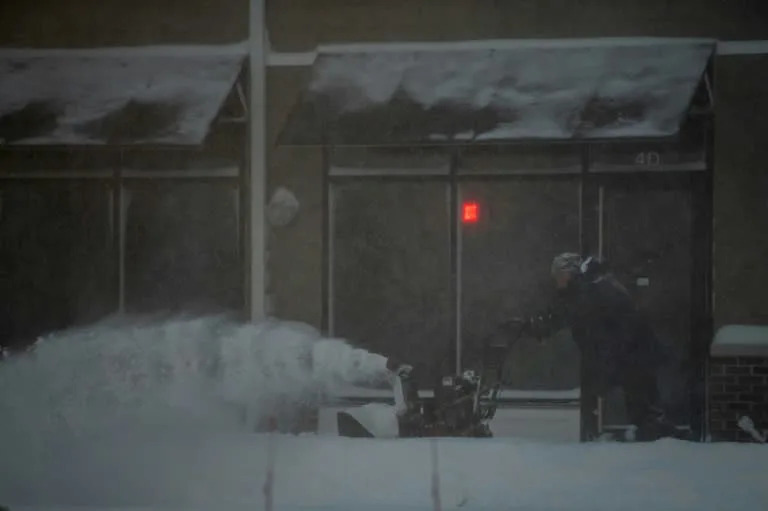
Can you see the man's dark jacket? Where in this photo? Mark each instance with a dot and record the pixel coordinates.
(614, 338)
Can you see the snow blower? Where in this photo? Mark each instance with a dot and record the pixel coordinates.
(461, 405)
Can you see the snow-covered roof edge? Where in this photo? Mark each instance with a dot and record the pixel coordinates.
(510, 44)
(307, 58)
(231, 49)
(115, 96)
(741, 340)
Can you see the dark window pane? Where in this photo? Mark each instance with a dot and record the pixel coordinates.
(182, 247)
(505, 272)
(57, 258)
(391, 271)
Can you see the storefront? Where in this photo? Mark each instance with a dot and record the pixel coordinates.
(455, 172)
(121, 190)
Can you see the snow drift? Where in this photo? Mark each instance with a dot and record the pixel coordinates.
(228, 472)
(185, 374)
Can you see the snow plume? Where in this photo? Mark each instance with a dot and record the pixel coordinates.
(206, 374)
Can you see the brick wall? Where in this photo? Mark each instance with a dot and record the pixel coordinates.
(737, 386)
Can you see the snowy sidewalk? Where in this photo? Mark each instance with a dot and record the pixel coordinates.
(320, 473)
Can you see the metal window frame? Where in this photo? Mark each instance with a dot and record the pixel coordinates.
(118, 181)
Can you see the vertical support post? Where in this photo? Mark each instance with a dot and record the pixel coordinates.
(703, 275)
(454, 200)
(255, 287)
(124, 200)
(600, 221)
(327, 315)
(116, 228)
(590, 240)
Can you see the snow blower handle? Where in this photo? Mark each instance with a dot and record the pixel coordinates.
(518, 327)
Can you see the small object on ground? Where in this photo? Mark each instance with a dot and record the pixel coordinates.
(748, 426)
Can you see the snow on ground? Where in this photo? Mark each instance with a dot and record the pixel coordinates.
(743, 334)
(228, 471)
(159, 415)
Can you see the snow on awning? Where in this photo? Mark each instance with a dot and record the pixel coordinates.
(126, 96)
(495, 91)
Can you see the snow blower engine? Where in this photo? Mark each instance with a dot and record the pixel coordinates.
(459, 406)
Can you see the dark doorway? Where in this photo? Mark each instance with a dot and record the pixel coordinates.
(648, 235)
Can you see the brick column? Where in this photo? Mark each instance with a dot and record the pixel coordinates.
(738, 381)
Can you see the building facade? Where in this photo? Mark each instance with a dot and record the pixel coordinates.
(379, 251)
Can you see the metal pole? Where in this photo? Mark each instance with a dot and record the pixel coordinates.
(600, 221)
(255, 284)
(454, 199)
(124, 201)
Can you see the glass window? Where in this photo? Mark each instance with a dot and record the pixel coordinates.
(57, 257)
(505, 261)
(182, 247)
(391, 272)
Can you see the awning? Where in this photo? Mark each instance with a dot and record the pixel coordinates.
(499, 90)
(128, 96)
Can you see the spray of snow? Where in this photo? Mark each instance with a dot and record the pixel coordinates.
(206, 374)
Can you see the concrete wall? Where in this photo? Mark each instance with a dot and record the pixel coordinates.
(296, 250)
(297, 25)
(84, 23)
(741, 190)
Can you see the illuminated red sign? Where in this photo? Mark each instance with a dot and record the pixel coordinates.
(470, 212)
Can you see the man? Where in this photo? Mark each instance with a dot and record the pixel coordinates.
(617, 343)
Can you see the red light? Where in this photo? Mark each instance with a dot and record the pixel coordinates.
(470, 212)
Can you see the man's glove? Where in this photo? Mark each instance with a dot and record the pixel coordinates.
(398, 368)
